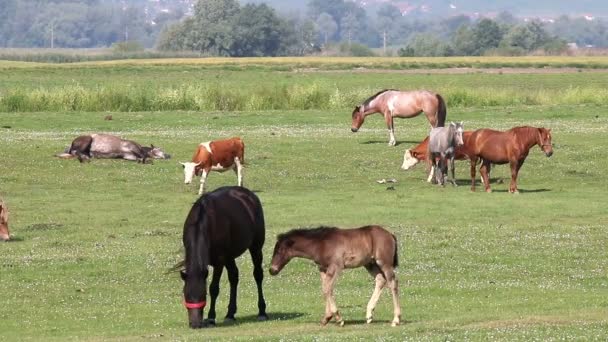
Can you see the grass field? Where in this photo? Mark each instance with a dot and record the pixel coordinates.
(93, 242)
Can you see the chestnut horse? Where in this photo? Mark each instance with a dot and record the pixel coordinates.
(4, 233)
(220, 227)
(512, 146)
(334, 249)
(402, 104)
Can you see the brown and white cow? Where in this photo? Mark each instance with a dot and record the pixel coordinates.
(4, 233)
(217, 155)
(413, 156)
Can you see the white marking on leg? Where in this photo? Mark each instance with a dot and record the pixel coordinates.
(431, 173)
(239, 171)
(391, 134)
(371, 305)
(201, 189)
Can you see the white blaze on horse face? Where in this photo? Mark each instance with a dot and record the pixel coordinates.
(189, 168)
(408, 160)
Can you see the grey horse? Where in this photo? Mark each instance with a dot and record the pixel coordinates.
(442, 145)
(86, 147)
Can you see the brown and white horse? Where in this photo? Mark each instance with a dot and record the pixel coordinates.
(333, 250)
(512, 146)
(401, 104)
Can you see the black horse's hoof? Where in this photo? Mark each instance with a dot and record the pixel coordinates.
(229, 320)
(263, 317)
(209, 322)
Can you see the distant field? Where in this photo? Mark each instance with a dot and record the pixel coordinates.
(93, 242)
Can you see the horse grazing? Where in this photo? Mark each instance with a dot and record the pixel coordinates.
(442, 145)
(512, 146)
(4, 233)
(217, 155)
(402, 104)
(334, 249)
(220, 227)
(86, 147)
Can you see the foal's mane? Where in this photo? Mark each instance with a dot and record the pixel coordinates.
(318, 233)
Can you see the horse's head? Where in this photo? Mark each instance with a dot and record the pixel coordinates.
(410, 159)
(458, 131)
(4, 233)
(189, 171)
(157, 153)
(544, 141)
(357, 119)
(282, 254)
(195, 293)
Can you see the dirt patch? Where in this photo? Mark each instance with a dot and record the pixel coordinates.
(458, 71)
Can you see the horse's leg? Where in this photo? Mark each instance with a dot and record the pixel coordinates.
(258, 275)
(233, 279)
(380, 282)
(515, 166)
(328, 278)
(238, 169)
(201, 189)
(388, 117)
(452, 169)
(473, 166)
(486, 165)
(214, 291)
(393, 284)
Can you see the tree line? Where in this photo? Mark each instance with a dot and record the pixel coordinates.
(228, 28)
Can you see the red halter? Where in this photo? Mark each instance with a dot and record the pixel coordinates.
(198, 305)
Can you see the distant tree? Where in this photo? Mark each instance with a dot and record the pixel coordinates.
(463, 41)
(426, 45)
(388, 16)
(487, 35)
(529, 36)
(211, 27)
(350, 27)
(326, 26)
(257, 32)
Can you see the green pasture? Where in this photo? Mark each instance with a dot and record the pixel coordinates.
(93, 242)
(251, 84)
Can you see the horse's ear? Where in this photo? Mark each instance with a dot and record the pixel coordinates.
(152, 146)
(183, 274)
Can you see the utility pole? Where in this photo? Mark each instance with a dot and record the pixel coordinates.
(52, 34)
(384, 41)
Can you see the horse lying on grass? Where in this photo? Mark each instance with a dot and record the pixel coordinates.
(333, 250)
(106, 146)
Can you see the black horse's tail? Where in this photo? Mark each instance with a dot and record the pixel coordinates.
(396, 256)
(441, 111)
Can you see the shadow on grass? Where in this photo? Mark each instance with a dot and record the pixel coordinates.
(14, 239)
(385, 142)
(523, 191)
(374, 322)
(272, 316)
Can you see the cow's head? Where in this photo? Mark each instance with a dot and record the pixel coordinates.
(410, 159)
(189, 171)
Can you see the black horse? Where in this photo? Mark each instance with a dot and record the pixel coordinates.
(220, 227)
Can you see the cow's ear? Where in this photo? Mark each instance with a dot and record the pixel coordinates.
(183, 164)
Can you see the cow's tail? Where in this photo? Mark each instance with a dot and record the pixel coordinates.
(441, 111)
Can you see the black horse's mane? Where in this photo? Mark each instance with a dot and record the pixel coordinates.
(366, 102)
(317, 233)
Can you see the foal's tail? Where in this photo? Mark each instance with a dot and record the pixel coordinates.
(396, 256)
(441, 111)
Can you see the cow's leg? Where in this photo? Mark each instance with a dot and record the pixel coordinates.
(238, 169)
(388, 117)
(375, 272)
(201, 189)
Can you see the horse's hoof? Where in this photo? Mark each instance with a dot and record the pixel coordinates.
(229, 320)
(341, 323)
(394, 324)
(369, 320)
(516, 192)
(208, 323)
(262, 317)
(489, 191)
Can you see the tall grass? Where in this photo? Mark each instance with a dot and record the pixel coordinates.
(118, 98)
